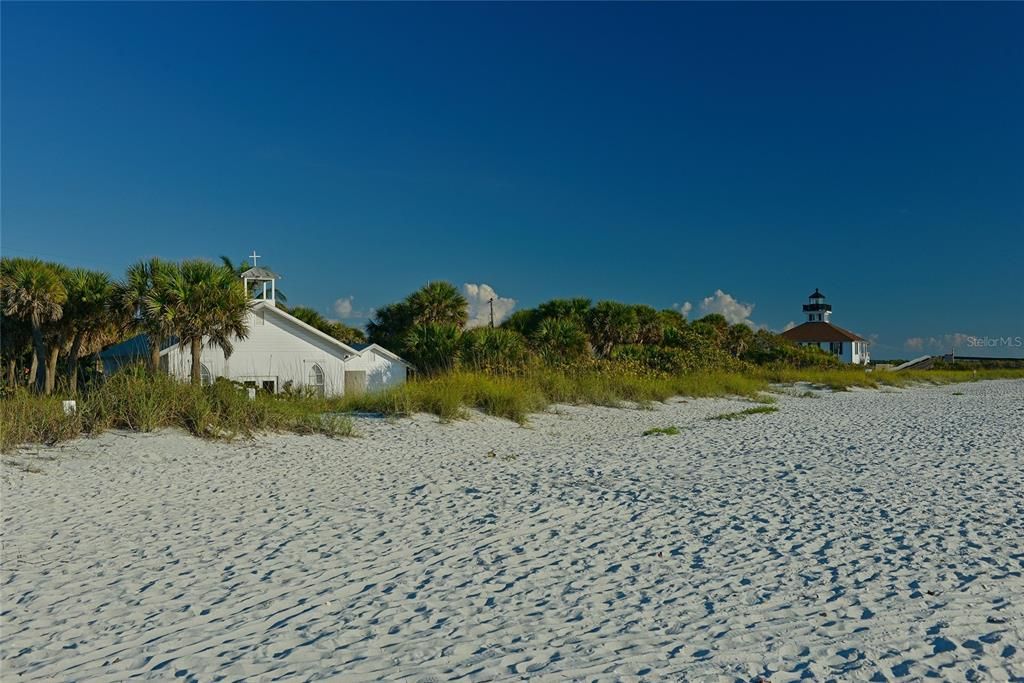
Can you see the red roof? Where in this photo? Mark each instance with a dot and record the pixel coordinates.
(820, 332)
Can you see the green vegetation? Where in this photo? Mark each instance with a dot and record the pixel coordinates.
(843, 378)
(428, 328)
(206, 307)
(332, 328)
(34, 294)
(137, 400)
(668, 431)
(424, 327)
(739, 415)
(56, 319)
(450, 395)
(27, 418)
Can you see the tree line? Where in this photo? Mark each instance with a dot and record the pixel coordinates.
(428, 327)
(52, 317)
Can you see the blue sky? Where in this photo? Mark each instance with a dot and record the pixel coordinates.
(651, 153)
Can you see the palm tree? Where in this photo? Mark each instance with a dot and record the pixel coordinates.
(208, 305)
(88, 312)
(611, 323)
(523, 321)
(526, 321)
(390, 325)
(56, 334)
(346, 333)
(439, 302)
(674, 327)
(738, 339)
(713, 326)
(493, 349)
(565, 309)
(15, 344)
(32, 290)
(311, 317)
(146, 305)
(433, 347)
(650, 328)
(435, 303)
(560, 339)
(340, 331)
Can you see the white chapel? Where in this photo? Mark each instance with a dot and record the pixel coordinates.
(280, 352)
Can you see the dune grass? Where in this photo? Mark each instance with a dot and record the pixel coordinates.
(667, 431)
(841, 379)
(515, 397)
(135, 400)
(28, 418)
(740, 414)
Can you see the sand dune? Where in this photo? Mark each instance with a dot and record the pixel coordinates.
(855, 536)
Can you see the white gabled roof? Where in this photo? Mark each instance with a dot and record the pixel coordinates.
(372, 348)
(377, 348)
(256, 273)
(271, 306)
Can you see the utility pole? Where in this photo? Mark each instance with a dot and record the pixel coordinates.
(491, 302)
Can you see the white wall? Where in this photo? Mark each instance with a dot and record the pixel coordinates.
(381, 372)
(276, 348)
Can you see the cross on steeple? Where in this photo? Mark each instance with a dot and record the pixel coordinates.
(254, 256)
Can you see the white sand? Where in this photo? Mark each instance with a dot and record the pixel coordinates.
(856, 536)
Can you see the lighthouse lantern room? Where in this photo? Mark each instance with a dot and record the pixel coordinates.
(817, 310)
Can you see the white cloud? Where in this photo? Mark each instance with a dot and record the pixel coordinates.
(939, 344)
(683, 308)
(345, 309)
(479, 297)
(732, 310)
(790, 325)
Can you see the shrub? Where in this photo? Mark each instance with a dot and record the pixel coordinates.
(739, 415)
(432, 347)
(26, 417)
(770, 349)
(675, 360)
(667, 431)
(493, 350)
(561, 341)
(137, 400)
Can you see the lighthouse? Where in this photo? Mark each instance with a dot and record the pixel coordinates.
(818, 330)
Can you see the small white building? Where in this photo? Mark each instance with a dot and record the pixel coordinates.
(819, 331)
(280, 353)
